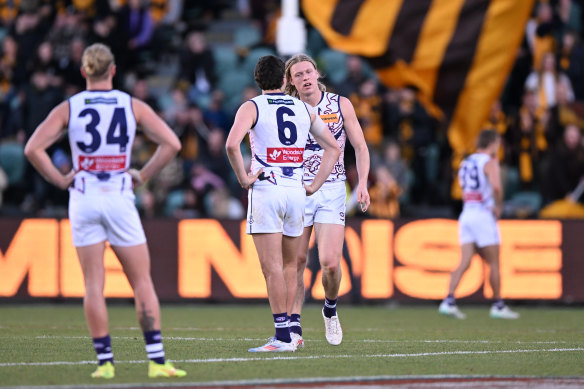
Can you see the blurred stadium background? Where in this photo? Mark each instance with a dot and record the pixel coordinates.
(424, 76)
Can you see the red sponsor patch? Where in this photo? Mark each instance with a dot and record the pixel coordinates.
(102, 163)
(285, 154)
(472, 196)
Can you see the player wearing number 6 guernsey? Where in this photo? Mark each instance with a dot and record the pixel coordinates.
(101, 125)
(278, 127)
(482, 193)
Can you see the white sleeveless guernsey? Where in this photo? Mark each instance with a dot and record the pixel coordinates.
(102, 127)
(102, 207)
(329, 110)
(476, 188)
(277, 139)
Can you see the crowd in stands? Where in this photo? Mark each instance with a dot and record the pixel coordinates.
(193, 61)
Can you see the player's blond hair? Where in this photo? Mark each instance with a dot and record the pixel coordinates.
(290, 88)
(96, 61)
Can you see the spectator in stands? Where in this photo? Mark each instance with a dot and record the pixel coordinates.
(368, 107)
(203, 181)
(186, 204)
(355, 77)
(571, 62)
(65, 27)
(397, 167)
(546, 82)
(12, 64)
(565, 112)
(70, 65)
(193, 132)
(527, 140)
(37, 99)
(31, 26)
(173, 105)
(135, 29)
(540, 31)
(384, 194)
(221, 205)
(12, 74)
(213, 155)
(566, 166)
(141, 90)
(215, 113)
(499, 122)
(197, 66)
(45, 60)
(414, 128)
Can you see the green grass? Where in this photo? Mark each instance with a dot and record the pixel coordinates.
(211, 343)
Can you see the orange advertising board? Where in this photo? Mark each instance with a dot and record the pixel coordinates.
(207, 259)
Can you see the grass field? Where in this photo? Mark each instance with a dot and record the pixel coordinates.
(50, 345)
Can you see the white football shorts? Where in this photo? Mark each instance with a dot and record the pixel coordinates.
(478, 225)
(327, 205)
(273, 208)
(104, 211)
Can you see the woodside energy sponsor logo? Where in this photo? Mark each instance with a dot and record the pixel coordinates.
(285, 154)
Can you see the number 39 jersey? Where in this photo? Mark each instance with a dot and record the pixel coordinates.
(102, 127)
(476, 188)
(278, 138)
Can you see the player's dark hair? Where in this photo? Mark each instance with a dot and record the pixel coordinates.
(269, 72)
(486, 137)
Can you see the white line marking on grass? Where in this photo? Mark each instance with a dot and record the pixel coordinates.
(308, 357)
(204, 339)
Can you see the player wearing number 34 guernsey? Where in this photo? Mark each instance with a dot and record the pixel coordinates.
(482, 194)
(101, 123)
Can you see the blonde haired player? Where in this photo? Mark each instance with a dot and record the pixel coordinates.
(101, 124)
(482, 193)
(325, 210)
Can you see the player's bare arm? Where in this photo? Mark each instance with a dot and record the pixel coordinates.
(157, 131)
(47, 133)
(244, 120)
(323, 136)
(493, 173)
(355, 135)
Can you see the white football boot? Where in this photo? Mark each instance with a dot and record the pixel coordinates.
(503, 313)
(450, 310)
(297, 340)
(333, 329)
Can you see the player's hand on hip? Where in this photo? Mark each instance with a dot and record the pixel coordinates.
(67, 179)
(363, 197)
(137, 178)
(309, 189)
(497, 211)
(251, 178)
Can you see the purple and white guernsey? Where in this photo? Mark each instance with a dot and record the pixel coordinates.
(329, 110)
